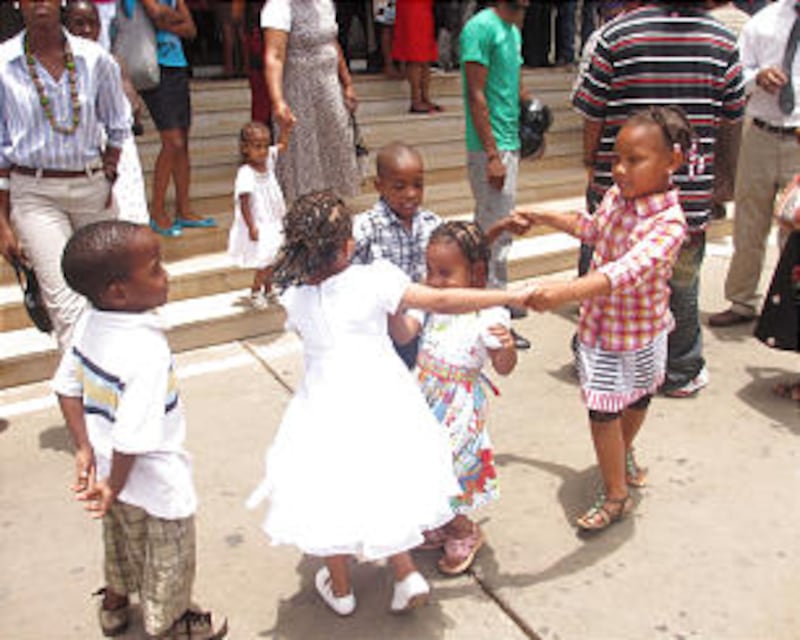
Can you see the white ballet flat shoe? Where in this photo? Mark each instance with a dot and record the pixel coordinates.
(343, 605)
(411, 592)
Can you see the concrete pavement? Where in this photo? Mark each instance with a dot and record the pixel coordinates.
(710, 552)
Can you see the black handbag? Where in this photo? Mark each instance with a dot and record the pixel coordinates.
(32, 297)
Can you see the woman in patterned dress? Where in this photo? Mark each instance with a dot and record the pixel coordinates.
(309, 84)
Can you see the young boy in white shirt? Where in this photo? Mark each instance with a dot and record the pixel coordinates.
(116, 386)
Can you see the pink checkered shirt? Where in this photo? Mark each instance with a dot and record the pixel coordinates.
(636, 242)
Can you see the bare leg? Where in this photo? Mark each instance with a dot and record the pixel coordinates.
(402, 565)
(259, 279)
(181, 174)
(340, 575)
(425, 85)
(414, 76)
(170, 143)
(609, 447)
(460, 526)
(632, 420)
(267, 279)
(386, 51)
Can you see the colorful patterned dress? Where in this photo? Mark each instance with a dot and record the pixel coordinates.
(453, 351)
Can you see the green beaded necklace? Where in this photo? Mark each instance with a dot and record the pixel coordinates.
(69, 63)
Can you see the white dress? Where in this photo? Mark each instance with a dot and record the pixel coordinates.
(129, 189)
(267, 208)
(359, 464)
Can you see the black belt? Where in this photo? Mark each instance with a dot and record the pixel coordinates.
(780, 131)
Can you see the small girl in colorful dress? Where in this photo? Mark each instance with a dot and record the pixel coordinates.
(453, 351)
(257, 230)
(359, 465)
(625, 318)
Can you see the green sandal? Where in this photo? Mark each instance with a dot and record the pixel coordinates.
(604, 513)
(635, 476)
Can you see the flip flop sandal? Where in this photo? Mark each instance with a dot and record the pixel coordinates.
(635, 476)
(600, 517)
(460, 552)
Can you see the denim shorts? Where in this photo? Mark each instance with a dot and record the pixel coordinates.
(169, 103)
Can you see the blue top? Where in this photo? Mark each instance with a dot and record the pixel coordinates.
(170, 48)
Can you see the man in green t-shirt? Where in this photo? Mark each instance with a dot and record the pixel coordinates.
(491, 57)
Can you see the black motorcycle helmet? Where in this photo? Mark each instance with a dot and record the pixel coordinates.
(534, 120)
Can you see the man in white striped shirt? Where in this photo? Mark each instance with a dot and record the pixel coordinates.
(59, 97)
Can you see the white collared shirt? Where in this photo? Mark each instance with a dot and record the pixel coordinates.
(762, 44)
(26, 137)
(120, 365)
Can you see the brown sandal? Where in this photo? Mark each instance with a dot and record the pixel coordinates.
(604, 513)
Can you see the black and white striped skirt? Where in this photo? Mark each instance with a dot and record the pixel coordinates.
(612, 380)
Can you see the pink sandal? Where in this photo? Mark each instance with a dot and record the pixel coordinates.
(460, 552)
(434, 539)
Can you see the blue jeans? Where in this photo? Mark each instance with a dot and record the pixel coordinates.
(685, 346)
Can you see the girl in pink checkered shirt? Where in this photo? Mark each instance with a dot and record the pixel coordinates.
(625, 318)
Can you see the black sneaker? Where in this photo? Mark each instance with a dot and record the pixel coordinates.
(520, 342)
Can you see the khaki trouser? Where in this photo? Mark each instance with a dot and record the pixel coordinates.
(45, 212)
(767, 162)
(492, 205)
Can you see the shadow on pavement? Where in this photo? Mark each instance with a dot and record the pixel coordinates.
(759, 394)
(576, 493)
(55, 439)
(305, 616)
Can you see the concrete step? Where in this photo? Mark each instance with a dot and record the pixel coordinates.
(427, 133)
(30, 356)
(443, 159)
(220, 95)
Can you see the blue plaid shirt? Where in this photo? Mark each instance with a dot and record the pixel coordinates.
(379, 234)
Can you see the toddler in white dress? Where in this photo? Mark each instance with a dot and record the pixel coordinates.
(257, 231)
(359, 465)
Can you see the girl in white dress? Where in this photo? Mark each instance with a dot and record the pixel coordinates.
(257, 230)
(453, 351)
(359, 465)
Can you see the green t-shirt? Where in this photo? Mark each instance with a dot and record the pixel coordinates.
(497, 45)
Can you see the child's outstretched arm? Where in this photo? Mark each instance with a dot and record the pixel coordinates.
(455, 300)
(548, 296)
(513, 223)
(566, 222)
(101, 495)
(72, 410)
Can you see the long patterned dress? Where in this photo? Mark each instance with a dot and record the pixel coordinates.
(321, 153)
(453, 350)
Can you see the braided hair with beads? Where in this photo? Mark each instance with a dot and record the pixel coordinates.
(316, 229)
(468, 236)
(677, 130)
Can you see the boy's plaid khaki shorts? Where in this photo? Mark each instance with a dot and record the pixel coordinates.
(151, 556)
